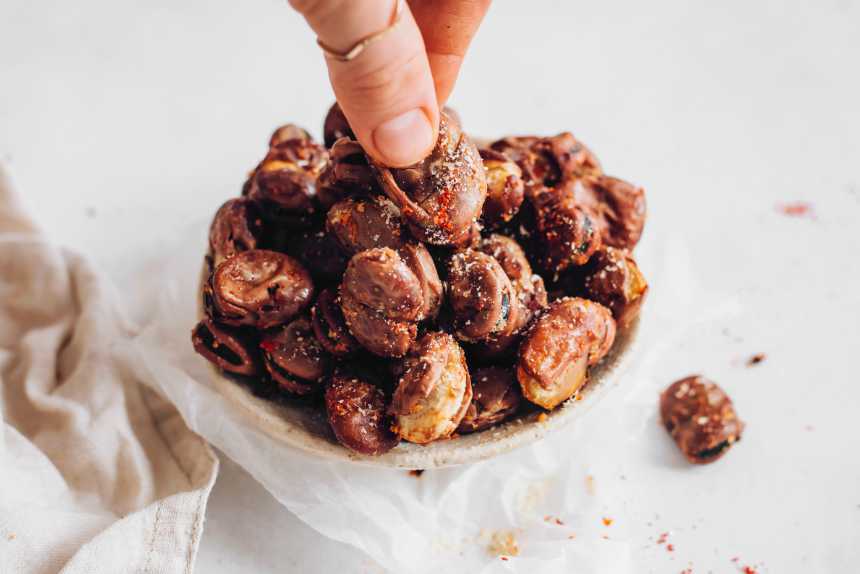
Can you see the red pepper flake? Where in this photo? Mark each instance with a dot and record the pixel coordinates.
(796, 209)
(442, 219)
(745, 569)
(663, 538)
(670, 548)
(417, 472)
(505, 558)
(756, 359)
(607, 521)
(268, 346)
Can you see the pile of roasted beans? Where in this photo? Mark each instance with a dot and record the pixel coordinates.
(415, 303)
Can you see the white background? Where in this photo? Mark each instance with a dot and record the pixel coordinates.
(123, 121)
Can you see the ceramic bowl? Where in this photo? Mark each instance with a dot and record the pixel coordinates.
(306, 428)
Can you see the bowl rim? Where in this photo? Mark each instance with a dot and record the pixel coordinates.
(297, 425)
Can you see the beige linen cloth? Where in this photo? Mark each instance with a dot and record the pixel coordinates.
(97, 472)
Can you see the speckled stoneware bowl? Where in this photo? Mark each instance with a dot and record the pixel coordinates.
(306, 428)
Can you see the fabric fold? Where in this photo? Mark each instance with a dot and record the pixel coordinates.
(98, 473)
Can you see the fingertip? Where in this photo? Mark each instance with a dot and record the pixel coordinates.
(445, 68)
(447, 27)
(406, 138)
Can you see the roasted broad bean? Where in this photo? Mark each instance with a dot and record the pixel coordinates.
(294, 357)
(237, 227)
(505, 188)
(496, 396)
(700, 418)
(336, 126)
(481, 296)
(555, 354)
(357, 414)
(330, 326)
(260, 288)
(613, 279)
(229, 348)
(364, 223)
(441, 196)
(434, 391)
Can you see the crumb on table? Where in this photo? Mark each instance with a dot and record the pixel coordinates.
(503, 543)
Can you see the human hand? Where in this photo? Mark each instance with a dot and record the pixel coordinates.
(392, 91)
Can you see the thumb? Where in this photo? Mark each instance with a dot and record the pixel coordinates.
(387, 92)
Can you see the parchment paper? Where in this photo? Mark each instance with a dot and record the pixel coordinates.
(539, 509)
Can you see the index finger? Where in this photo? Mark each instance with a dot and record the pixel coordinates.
(386, 92)
(447, 27)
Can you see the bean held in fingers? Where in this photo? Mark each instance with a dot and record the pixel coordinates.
(441, 196)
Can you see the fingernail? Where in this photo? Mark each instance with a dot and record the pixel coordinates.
(405, 139)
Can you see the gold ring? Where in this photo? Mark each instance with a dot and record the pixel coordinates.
(359, 46)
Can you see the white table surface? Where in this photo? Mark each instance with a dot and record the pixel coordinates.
(124, 120)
